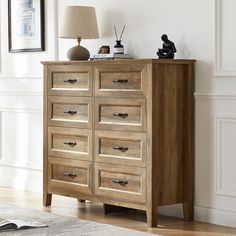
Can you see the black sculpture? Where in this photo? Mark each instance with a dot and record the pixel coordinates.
(168, 49)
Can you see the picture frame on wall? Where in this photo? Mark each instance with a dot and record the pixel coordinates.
(26, 25)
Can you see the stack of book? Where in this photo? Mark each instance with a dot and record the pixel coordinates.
(114, 56)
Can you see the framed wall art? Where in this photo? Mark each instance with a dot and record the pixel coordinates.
(26, 25)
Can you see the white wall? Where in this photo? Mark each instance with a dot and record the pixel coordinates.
(201, 29)
(21, 106)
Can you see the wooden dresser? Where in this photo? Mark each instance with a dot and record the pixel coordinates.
(120, 133)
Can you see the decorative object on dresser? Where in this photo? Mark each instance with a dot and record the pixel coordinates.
(79, 22)
(118, 47)
(120, 133)
(105, 49)
(110, 56)
(168, 49)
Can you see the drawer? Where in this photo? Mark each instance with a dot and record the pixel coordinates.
(120, 148)
(120, 182)
(70, 111)
(70, 143)
(120, 114)
(70, 174)
(70, 80)
(121, 80)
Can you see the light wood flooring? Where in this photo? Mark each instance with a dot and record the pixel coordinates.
(94, 211)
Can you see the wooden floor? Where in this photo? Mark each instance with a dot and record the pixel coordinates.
(94, 211)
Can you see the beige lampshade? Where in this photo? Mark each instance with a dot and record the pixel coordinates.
(79, 21)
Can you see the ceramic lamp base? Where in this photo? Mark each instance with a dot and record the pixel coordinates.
(78, 53)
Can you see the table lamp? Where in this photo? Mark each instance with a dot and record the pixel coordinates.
(79, 22)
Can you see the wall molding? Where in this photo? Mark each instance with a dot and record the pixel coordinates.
(2, 77)
(219, 188)
(215, 216)
(202, 214)
(20, 110)
(19, 166)
(21, 179)
(20, 93)
(219, 70)
(218, 95)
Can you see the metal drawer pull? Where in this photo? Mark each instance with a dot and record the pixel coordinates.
(70, 112)
(70, 174)
(71, 81)
(120, 148)
(120, 81)
(70, 143)
(121, 115)
(122, 182)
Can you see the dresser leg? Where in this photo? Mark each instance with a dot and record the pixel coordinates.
(47, 199)
(188, 211)
(81, 200)
(152, 217)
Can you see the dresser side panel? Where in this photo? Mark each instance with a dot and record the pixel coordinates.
(169, 124)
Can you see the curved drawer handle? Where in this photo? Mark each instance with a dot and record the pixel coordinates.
(70, 143)
(121, 115)
(121, 182)
(71, 81)
(120, 148)
(120, 81)
(70, 112)
(68, 174)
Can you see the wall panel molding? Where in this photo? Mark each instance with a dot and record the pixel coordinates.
(221, 189)
(215, 216)
(20, 93)
(218, 95)
(220, 71)
(21, 179)
(19, 166)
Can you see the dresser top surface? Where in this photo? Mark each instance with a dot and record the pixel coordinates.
(126, 61)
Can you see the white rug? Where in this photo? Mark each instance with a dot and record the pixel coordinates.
(61, 225)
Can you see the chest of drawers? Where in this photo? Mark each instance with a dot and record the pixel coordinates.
(120, 133)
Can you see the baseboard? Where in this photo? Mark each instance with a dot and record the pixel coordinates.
(215, 216)
(202, 214)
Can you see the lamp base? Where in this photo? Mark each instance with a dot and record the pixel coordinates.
(78, 53)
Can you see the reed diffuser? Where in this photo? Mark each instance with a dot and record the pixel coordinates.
(119, 48)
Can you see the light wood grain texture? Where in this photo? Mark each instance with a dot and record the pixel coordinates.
(120, 148)
(47, 197)
(70, 174)
(122, 182)
(120, 80)
(141, 119)
(120, 114)
(72, 80)
(71, 112)
(70, 143)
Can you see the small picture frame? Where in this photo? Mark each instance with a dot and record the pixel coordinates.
(26, 25)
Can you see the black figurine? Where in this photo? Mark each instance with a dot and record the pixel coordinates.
(168, 49)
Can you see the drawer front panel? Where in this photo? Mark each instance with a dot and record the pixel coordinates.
(120, 182)
(71, 112)
(120, 80)
(70, 143)
(70, 174)
(70, 80)
(120, 114)
(120, 148)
